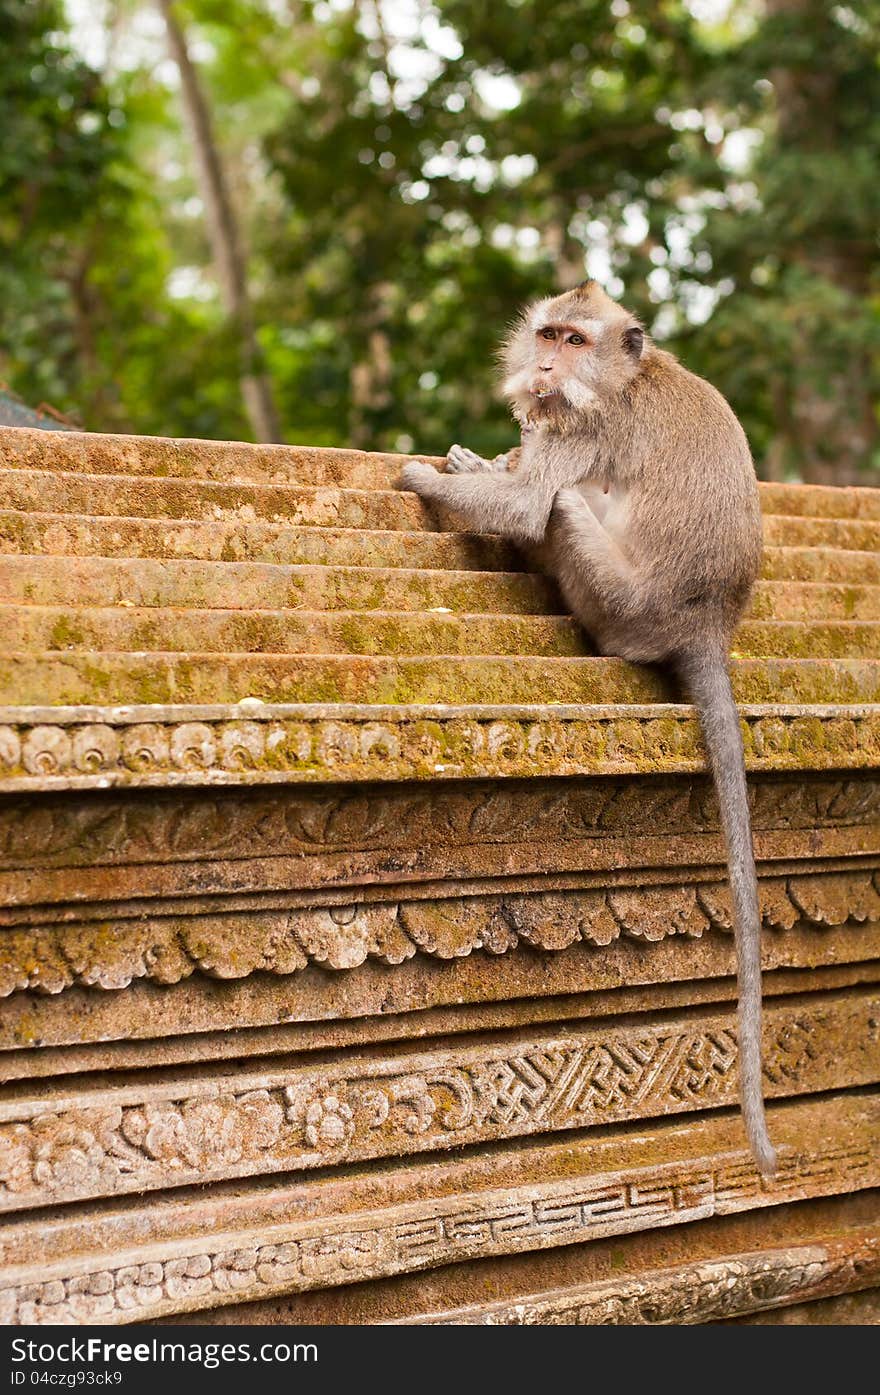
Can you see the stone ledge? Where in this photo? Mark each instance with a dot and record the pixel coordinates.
(514, 990)
(250, 742)
(223, 1245)
(90, 1138)
(702, 1291)
(108, 955)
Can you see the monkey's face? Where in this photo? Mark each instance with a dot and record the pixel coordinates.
(567, 354)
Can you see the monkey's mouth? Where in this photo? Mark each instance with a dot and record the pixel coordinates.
(548, 392)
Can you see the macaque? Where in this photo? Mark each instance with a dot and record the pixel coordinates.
(636, 480)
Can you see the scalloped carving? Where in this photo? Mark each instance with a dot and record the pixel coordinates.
(167, 949)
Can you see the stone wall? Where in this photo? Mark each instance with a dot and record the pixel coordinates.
(365, 945)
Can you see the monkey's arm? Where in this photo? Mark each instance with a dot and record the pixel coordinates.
(493, 502)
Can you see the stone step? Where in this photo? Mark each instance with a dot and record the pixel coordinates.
(150, 497)
(96, 581)
(124, 629)
(147, 629)
(76, 678)
(233, 462)
(80, 535)
(47, 580)
(305, 506)
(781, 531)
(808, 600)
(819, 564)
(61, 534)
(820, 501)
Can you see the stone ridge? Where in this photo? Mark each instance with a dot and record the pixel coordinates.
(292, 1114)
(52, 958)
(146, 571)
(84, 747)
(291, 1237)
(356, 919)
(701, 1291)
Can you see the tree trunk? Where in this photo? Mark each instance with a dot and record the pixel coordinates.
(370, 379)
(224, 236)
(828, 435)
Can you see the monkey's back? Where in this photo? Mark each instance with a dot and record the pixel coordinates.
(695, 516)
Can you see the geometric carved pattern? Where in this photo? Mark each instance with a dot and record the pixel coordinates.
(195, 1271)
(144, 1134)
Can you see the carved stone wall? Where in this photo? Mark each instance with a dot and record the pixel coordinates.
(376, 901)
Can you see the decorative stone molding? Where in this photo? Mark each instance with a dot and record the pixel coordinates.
(118, 827)
(253, 742)
(170, 1273)
(705, 1291)
(144, 1134)
(110, 954)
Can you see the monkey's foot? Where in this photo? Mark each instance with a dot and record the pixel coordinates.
(418, 476)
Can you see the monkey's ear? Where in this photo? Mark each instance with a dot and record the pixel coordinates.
(634, 341)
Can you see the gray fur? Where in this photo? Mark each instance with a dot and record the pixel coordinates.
(635, 485)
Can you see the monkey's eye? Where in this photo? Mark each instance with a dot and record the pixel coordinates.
(576, 339)
(548, 333)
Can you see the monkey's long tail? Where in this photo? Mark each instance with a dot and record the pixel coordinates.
(707, 679)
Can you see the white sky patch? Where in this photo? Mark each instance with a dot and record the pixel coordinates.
(88, 29)
(141, 43)
(503, 236)
(498, 90)
(441, 38)
(190, 283)
(710, 11)
(660, 284)
(738, 149)
(516, 168)
(635, 225)
(699, 301)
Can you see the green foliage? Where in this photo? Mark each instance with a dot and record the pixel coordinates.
(406, 175)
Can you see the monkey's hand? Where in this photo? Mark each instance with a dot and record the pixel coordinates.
(420, 477)
(461, 461)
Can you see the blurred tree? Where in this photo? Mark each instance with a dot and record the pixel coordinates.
(57, 142)
(223, 232)
(795, 339)
(402, 174)
(86, 319)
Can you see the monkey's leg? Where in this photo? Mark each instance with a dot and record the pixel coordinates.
(461, 461)
(492, 502)
(590, 563)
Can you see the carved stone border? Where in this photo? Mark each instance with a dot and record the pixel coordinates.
(111, 954)
(254, 743)
(704, 1291)
(141, 1135)
(175, 1275)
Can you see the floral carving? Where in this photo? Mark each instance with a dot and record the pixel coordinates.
(492, 1088)
(329, 1122)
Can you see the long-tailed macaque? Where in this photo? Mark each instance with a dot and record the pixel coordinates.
(636, 478)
